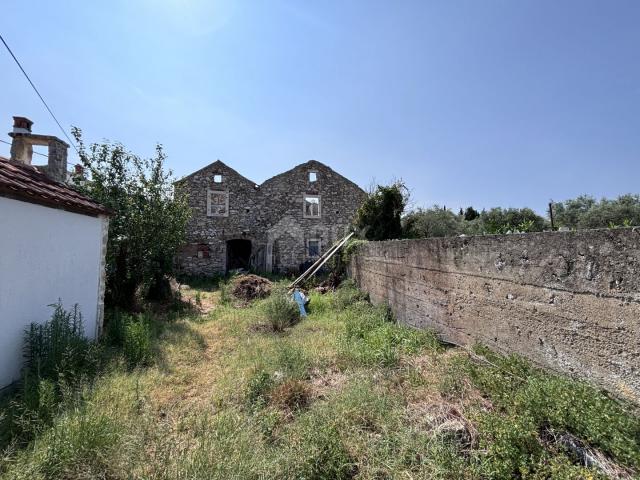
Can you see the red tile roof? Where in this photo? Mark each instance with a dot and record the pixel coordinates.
(27, 183)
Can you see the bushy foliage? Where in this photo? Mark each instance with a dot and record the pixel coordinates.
(57, 347)
(58, 358)
(441, 222)
(585, 212)
(471, 214)
(148, 223)
(347, 294)
(280, 310)
(432, 222)
(378, 218)
(132, 334)
(522, 220)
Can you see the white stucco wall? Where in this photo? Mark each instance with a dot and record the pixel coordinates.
(46, 254)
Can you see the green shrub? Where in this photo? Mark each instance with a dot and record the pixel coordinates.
(58, 347)
(379, 216)
(137, 346)
(348, 294)
(132, 334)
(57, 359)
(148, 221)
(281, 311)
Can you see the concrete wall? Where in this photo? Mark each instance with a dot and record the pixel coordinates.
(569, 301)
(45, 255)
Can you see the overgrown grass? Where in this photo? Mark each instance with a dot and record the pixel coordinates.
(344, 393)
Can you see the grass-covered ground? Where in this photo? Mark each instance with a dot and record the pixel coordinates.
(345, 393)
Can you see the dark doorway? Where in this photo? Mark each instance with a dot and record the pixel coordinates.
(238, 254)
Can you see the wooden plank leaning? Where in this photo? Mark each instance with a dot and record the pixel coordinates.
(321, 261)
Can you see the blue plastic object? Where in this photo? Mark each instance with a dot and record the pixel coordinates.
(301, 300)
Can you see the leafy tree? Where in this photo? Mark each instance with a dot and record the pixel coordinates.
(378, 218)
(585, 212)
(569, 213)
(471, 214)
(148, 223)
(499, 220)
(431, 222)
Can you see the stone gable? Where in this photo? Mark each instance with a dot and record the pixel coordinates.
(236, 223)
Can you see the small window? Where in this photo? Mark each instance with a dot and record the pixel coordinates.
(311, 206)
(217, 203)
(313, 248)
(217, 178)
(313, 176)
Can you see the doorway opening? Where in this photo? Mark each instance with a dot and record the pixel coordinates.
(238, 254)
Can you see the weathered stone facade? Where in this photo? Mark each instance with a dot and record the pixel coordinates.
(277, 226)
(569, 301)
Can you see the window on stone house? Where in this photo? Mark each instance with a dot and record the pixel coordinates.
(312, 206)
(313, 247)
(217, 203)
(217, 178)
(313, 176)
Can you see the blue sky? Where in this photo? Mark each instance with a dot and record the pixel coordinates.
(484, 103)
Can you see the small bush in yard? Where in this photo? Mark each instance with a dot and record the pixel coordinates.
(57, 347)
(133, 334)
(348, 294)
(281, 311)
(137, 341)
(58, 358)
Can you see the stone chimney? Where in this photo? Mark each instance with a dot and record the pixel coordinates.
(22, 149)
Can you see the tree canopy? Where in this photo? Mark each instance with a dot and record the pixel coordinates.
(148, 223)
(379, 217)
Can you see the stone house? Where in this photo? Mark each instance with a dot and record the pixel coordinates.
(278, 226)
(52, 245)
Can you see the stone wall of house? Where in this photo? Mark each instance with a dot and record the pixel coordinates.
(569, 301)
(205, 251)
(271, 216)
(288, 230)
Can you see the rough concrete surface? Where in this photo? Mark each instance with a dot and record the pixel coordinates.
(569, 301)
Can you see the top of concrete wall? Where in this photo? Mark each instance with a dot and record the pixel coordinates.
(572, 261)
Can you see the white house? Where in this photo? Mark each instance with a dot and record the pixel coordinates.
(52, 245)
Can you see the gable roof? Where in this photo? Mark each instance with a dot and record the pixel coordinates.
(27, 183)
(308, 164)
(217, 164)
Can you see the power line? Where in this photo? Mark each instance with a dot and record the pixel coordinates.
(40, 96)
(37, 153)
(40, 153)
